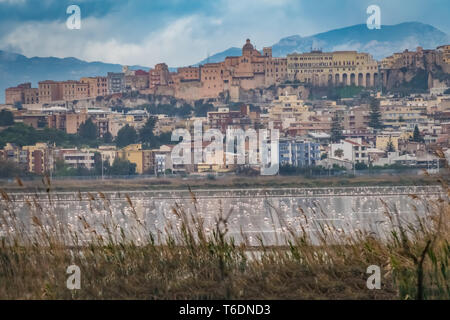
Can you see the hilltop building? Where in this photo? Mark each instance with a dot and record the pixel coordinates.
(333, 68)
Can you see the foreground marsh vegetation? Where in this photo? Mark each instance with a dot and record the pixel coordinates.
(190, 262)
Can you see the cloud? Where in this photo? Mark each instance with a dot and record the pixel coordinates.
(172, 43)
(178, 41)
(180, 32)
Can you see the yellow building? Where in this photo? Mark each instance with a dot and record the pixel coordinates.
(39, 158)
(333, 68)
(396, 115)
(142, 158)
(289, 108)
(383, 140)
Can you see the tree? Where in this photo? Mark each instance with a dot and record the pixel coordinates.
(126, 136)
(107, 138)
(9, 169)
(336, 129)
(146, 135)
(375, 115)
(417, 137)
(6, 118)
(88, 130)
(390, 146)
(201, 110)
(361, 166)
(339, 153)
(122, 167)
(62, 169)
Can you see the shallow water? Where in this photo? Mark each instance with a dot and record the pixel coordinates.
(264, 215)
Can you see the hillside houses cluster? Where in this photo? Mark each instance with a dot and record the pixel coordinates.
(413, 131)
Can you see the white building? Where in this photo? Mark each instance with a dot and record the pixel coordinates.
(353, 150)
(79, 159)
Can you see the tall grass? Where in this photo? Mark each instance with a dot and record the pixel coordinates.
(190, 261)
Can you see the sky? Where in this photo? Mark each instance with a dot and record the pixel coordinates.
(184, 32)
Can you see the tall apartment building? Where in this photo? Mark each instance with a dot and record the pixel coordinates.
(116, 82)
(97, 86)
(74, 90)
(333, 68)
(39, 158)
(356, 118)
(298, 153)
(50, 91)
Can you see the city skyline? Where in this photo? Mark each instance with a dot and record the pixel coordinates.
(179, 32)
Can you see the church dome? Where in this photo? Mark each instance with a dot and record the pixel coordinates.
(248, 46)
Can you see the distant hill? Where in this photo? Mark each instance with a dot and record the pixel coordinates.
(380, 43)
(16, 69)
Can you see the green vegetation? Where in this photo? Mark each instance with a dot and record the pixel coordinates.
(361, 166)
(390, 146)
(191, 263)
(126, 136)
(6, 118)
(146, 134)
(244, 178)
(375, 115)
(24, 135)
(88, 130)
(289, 170)
(201, 109)
(119, 168)
(339, 153)
(107, 138)
(417, 137)
(336, 129)
(9, 169)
